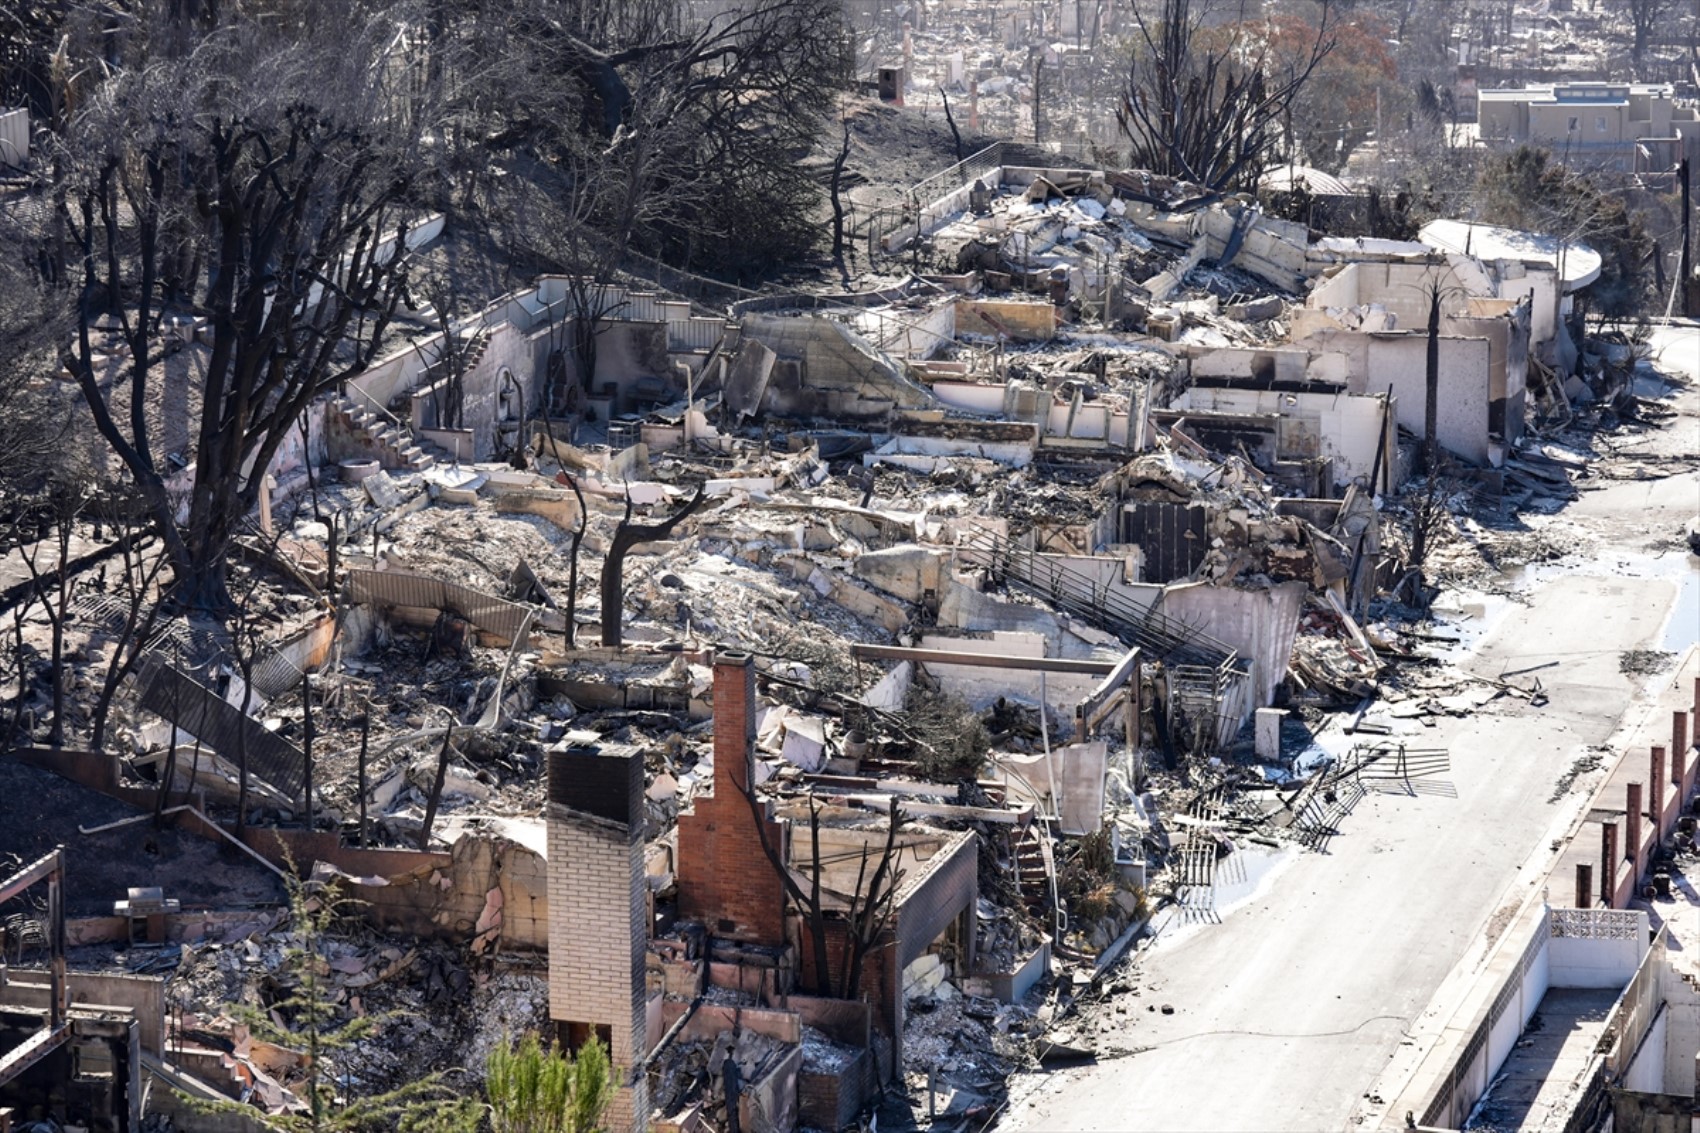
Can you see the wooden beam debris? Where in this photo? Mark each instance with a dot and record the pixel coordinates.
(1088, 668)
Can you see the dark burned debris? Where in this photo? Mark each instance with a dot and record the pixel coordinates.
(945, 633)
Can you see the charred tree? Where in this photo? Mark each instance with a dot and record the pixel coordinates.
(63, 505)
(949, 120)
(1431, 387)
(296, 203)
(573, 548)
(360, 768)
(1205, 108)
(837, 190)
(871, 903)
(1645, 16)
(141, 613)
(626, 536)
(435, 798)
(307, 744)
(870, 907)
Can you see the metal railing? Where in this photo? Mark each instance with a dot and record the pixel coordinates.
(382, 411)
(1171, 641)
(888, 221)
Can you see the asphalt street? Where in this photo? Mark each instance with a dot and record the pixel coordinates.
(1286, 1012)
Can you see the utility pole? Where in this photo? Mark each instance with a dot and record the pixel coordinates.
(1431, 409)
(1038, 103)
(1690, 298)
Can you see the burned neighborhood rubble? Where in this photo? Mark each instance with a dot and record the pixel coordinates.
(812, 700)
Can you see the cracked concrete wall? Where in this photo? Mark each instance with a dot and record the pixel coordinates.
(448, 902)
(1347, 425)
(826, 370)
(1258, 624)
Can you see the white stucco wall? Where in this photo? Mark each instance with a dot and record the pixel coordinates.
(1646, 1073)
(981, 687)
(1259, 624)
(1348, 424)
(1401, 361)
(1594, 961)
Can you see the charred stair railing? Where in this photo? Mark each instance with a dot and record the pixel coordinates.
(1201, 667)
(1196, 693)
(1385, 766)
(1171, 641)
(1195, 864)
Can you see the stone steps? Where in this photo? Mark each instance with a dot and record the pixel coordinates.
(397, 450)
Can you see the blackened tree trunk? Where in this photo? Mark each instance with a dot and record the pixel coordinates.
(1431, 406)
(54, 591)
(871, 902)
(140, 577)
(626, 536)
(572, 562)
(949, 120)
(436, 796)
(297, 203)
(360, 768)
(307, 743)
(838, 161)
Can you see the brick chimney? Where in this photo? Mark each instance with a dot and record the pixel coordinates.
(1633, 803)
(598, 913)
(725, 878)
(1608, 865)
(1656, 792)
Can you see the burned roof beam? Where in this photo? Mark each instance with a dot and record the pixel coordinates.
(1086, 668)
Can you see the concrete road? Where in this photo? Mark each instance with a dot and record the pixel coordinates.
(1287, 1011)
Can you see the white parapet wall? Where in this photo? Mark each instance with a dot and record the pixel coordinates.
(1560, 948)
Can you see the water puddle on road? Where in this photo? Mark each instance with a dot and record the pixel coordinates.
(1469, 616)
(1244, 876)
(1682, 629)
(1472, 615)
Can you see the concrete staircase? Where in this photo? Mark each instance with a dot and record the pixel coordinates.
(1033, 871)
(397, 449)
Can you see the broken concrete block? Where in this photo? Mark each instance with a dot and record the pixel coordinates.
(457, 781)
(746, 384)
(645, 494)
(908, 572)
(754, 485)
(383, 490)
(491, 916)
(386, 792)
(461, 497)
(805, 742)
(629, 463)
(1257, 310)
(1268, 733)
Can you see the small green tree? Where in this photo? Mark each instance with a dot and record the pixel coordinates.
(533, 1089)
(309, 1020)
